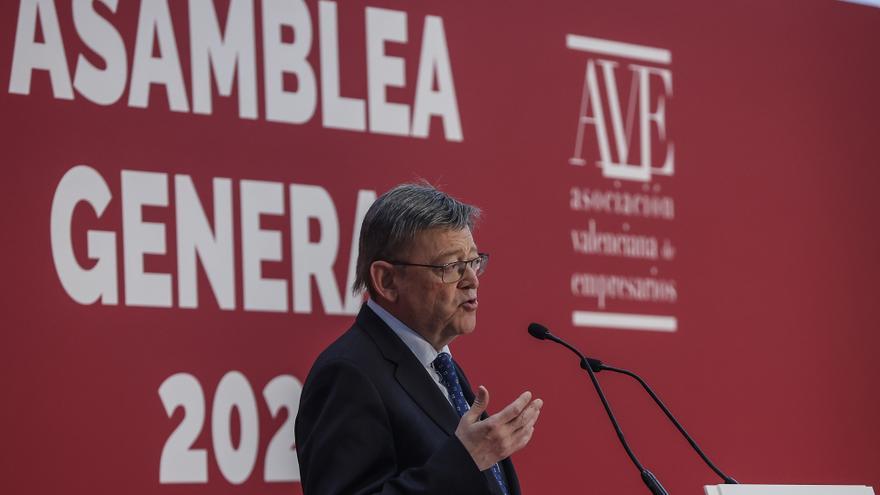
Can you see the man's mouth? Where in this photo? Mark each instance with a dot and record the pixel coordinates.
(470, 304)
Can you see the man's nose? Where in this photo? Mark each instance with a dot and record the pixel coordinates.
(469, 279)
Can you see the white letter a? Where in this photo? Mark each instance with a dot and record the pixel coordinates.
(29, 54)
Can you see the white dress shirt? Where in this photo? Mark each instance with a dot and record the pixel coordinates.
(421, 348)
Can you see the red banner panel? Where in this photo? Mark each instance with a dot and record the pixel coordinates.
(684, 189)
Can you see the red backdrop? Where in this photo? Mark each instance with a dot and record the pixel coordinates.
(752, 249)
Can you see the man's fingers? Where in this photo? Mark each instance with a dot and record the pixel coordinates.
(524, 437)
(520, 437)
(481, 401)
(529, 415)
(503, 433)
(514, 408)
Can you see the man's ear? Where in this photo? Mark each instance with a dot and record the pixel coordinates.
(382, 276)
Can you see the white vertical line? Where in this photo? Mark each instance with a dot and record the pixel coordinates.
(618, 49)
(624, 321)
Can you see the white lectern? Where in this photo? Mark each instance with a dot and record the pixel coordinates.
(788, 490)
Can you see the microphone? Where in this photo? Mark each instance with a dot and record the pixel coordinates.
(540, 332)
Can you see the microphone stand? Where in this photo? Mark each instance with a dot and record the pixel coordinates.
(727, 479)
(587, 364)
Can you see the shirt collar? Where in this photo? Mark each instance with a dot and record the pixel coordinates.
(423, 350)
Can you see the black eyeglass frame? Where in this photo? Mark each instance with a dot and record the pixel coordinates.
(465, 263)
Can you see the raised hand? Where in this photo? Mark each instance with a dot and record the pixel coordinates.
(499, 435)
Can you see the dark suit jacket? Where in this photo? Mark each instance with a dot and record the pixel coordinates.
(371, 420)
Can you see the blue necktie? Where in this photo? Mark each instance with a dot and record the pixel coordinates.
(449, 378)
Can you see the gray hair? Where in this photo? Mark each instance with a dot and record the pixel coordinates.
(397, 216)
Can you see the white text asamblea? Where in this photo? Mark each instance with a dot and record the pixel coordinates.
(223, 57)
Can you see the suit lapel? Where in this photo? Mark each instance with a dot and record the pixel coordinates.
(409, 372)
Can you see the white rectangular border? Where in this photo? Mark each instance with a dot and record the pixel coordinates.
(618, 49)
(624, 321)
(869, 3)
(788, 490)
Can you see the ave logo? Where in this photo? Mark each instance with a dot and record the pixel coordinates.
(620, 154)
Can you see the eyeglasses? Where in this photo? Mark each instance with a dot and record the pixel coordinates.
(454, 271)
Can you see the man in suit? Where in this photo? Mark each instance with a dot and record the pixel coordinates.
(384, 408)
